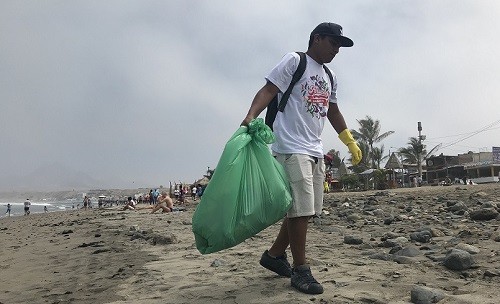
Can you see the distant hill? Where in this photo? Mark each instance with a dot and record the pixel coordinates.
(69, 194)
(49, 177)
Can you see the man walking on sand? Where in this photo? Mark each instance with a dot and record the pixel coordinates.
(299, 148)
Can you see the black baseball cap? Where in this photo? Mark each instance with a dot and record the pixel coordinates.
(334, 30)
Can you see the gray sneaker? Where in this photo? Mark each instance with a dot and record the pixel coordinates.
(303, 280)
(279, 264)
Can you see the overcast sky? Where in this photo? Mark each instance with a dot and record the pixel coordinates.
(140, 93)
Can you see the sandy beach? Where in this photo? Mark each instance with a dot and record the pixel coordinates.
(389, 246)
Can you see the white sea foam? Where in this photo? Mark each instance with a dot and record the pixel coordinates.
(17, 208)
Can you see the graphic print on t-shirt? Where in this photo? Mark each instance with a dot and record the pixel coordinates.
(316, 92)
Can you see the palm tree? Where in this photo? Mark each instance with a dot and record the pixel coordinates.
(412, 154)
(369, 133)
(378, 156)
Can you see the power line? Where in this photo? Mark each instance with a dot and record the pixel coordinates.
(448, 136)
(486, 128)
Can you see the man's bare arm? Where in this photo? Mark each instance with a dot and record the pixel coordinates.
(336, 118)
(260, 101)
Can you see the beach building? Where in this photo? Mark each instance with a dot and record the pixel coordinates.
(481, 167)
(442, 168)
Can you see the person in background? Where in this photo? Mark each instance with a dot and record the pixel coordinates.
(182, 195)
(8, 209)
(326, 187)
(130, 205)
(85, 202)
(298, 146)
(151, 197)
(199, 191)
(193, 193)
(27, 205)
(45, 209)
(165, 203)
(156, 194)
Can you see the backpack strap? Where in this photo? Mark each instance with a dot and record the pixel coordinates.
(295, 78)
(327, 70)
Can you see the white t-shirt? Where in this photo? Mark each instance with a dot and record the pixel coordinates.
(298, 128)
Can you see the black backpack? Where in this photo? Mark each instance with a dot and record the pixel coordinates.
(275, 105)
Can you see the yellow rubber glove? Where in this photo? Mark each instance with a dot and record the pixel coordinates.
(346, 137)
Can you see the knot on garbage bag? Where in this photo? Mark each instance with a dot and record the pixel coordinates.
(260, 131)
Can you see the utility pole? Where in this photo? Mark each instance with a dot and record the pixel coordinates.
(420, 138)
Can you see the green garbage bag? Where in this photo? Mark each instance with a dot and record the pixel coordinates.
(248, 191)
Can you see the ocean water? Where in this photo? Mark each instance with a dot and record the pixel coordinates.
(17, 208)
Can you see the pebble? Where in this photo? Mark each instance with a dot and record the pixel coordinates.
(352, 240)
(458, 260)
(353, 217)
(381, 256)
(492, 273)
(217, 263)
(409, 251)
(469, 248)
(388, 221)
(163, 239)
(484, 214)
(426, 295)
(421, 236)
(389, 244)
(403, 260)
(456, 231)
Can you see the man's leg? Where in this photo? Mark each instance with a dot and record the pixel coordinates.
(275, 259)
(281, 243)
(292, 232)
(309, 201)
(297, 231)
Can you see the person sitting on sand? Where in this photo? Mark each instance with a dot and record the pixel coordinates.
(165, 203)
(130, 204)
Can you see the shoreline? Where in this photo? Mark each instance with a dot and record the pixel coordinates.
(115, 256)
